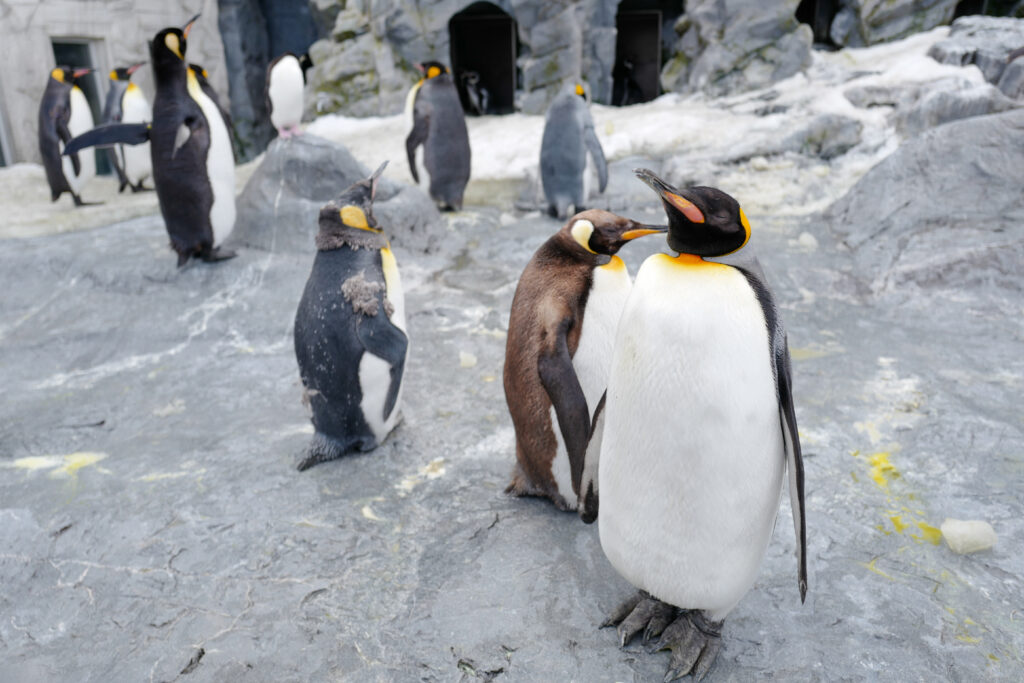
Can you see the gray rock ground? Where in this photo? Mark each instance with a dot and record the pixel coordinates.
(152, 525)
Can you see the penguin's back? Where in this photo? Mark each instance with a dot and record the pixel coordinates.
(692, 455)
(563, 156)
(446, 152)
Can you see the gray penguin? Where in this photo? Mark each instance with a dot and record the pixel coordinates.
(568, 136)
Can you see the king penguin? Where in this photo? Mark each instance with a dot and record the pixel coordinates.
(568, 137)
(126, 103)
(439, 124)
(350, 340)
(286, 79)
(559, 346)
(63, 113)
(193, 162)
(697, 432)
(203, 78)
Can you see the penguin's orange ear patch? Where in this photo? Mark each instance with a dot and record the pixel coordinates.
(579, 90)
(433, 72)
(113, 75)
(173, 44)
(57, 75)
(354, 217)
(686, 207)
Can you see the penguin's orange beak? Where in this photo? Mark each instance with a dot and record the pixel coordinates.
(78, 73)
(188, 25)
(135, 67)
(643, 230)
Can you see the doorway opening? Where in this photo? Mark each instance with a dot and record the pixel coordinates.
(644, 41)
(78, 54)
(483, 49)
(818, 14)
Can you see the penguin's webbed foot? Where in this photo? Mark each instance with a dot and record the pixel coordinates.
(641, 612)
(695, 642)
(140, 188)
(218, 254)
(79, 202)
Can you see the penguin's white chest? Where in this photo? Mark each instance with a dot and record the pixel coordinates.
(592, 360)
(220, 164)
(375, 372)
(692, 457)
(79, 122)
(285, 93)
(136, 158)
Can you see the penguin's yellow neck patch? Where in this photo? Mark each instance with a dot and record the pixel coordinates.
(690, 261)
(57, 75)
(354, 217)
(132, 87)
(581, 232)
(746, 227)
(113, 75)
(615, 264)
(174, 45)
(579, 90)
(433, 72)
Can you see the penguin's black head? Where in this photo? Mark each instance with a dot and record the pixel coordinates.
(202, 75)
(124, 73)
(168, 46)
(64, 74)
(432, 69)
(600, 232)
(701, 220)
(349, 219)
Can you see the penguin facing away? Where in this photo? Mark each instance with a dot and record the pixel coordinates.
(568, 137)
(350, 340)
(696, 433)
(193, 162)
(559, 348)
(63, 173)
(126, 103)
(286, 80)
(439, 124)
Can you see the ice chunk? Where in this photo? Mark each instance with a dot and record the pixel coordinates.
(968, 536)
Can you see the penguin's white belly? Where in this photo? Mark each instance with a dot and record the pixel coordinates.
(410, 120)
(285, 93)
(592, 360)
(220, 165)
(375, 372)
(138, 164)
(79, 122)
(692, 458)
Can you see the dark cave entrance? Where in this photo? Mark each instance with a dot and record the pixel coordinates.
(818, 14)
(644, 40)
(483, 47)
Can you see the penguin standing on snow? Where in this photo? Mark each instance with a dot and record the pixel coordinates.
(126, 103)
(439, 124)
(698, 431)
(350, 339)
(193, 162)
(63, 113)
(559, 347)
(286, 79)
(568, 136)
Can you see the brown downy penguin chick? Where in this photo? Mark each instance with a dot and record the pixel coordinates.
(560, 336)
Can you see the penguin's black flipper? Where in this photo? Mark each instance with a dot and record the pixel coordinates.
(417, 136)
(594, 146)
(779, 347)
(110, 134)
(589, 500)
(558, 377)
(379, 336)
(65, 136)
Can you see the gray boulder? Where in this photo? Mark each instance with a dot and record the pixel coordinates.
(985, 42)
(733, 45)
(945, 210)
(959, 100)
(866, 22)
(278, 209)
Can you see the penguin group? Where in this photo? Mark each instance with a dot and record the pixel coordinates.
(661, 408)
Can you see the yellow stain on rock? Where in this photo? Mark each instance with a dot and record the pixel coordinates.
(60, 465)
(882, 471)
(898, 523)
(928, 533)
(37, 462)
(159, 476)
(870, 566)
(870, 428)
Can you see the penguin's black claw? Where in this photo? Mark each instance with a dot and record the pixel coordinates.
(659, 620)
(694, 642)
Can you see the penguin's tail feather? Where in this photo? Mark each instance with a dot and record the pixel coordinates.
(323, 448)
(108, 136)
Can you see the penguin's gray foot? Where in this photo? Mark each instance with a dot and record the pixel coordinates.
(79, 202)
(641, 612)
(695, 642)
(140, 188)
(553, 211)
(218, 254)
(323, 448)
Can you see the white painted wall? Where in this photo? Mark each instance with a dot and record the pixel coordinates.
(122, 30)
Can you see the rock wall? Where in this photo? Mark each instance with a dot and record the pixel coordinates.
(987, 42)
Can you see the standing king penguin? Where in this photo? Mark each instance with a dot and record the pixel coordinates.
(63, 113)
(439, 124)
(559, 347)
(193, 162)
(698, 431)
(286, 80)
(126, 103)
(203, 78)
(350, 340)
(568, 136)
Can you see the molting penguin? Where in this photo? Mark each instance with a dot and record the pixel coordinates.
(439, 124)
(559, 347)
(193, 162)
(63, 113)
(568, 136)
(350, 339)
(698, 431)
(126, 103)
(286, 79)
